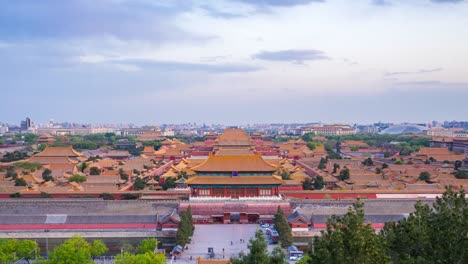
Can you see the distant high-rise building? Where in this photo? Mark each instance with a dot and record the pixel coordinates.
(26, 124)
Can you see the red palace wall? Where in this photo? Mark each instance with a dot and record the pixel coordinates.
(332, 196)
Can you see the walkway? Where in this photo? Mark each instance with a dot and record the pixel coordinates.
(218, 237)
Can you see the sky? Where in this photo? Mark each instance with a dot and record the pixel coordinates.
(233, 62)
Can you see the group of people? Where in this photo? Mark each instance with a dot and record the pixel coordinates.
(242, 241)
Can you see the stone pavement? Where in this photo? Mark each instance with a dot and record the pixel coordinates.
(218, 237)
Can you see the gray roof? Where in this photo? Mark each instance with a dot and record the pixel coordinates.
(174, 215)
(368, 218)
(295, 215)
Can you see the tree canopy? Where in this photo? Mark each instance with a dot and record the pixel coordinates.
(77, 178)
(47, 175)
(344, 174)
(13, 249)
(348, 239)
(283, 228)
(94, 171)
(147, 245)
(258, 253)
(424, 176)
(76, 250)
(431, 235)
(319, 183)
(169, 183)
(186, 227)
(139, 184)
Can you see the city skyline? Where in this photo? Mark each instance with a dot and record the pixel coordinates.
(148, 62)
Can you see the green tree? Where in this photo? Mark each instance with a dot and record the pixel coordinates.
(98, 248)
(285, 175)
(130, 196)
(431, 235)
(30, 138)
(311, 145)
(344, 174)
(139, 184)
(148, 245)
(278, 256)
(384, 166)
(20, 182)
(283, 228)
(12, 156)
(378, 170)
(107, 196)
(77, 178)
(448, 228)
(12, 249)
(169, 183)
(348, 240)
(186, 227)
(41, 147)
(318, 183)
(45, 195)
(258, 252)
(146, 258)
(335, 167)
(322, 164)
(459, 174)
(47, 175)
(123, 175)
(11, 173)
(188, 214)
(94, 171)
(16, 195)
(368, 162)
(424, 176)
(32, 166)
(307, 184)
(83, 166)
(76, 250)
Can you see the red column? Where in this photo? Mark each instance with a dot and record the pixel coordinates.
(224, 191)
(245, 192)
(258, 191)
(211, 192)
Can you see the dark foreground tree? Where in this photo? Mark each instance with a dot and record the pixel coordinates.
(258, 253)
(431, 235)
(186, 227)
(348, 240)
(283, 228)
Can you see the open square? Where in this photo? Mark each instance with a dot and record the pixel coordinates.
(218, 237)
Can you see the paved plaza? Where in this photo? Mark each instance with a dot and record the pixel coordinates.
(218, 237)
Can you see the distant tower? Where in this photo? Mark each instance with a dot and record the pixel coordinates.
(51, 122)
(26, 124)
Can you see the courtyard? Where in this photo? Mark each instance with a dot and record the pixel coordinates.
(219, 237)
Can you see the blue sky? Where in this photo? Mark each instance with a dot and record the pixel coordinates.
(233, 61)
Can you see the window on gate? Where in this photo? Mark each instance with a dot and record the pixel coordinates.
(204, 192)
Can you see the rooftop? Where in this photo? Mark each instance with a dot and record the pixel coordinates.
(230, 163)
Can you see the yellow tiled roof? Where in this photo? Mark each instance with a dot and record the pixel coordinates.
(237, 180)
(240, 163)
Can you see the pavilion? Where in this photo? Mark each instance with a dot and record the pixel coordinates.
(234, 170)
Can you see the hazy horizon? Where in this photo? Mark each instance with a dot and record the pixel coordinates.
(234, 62)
